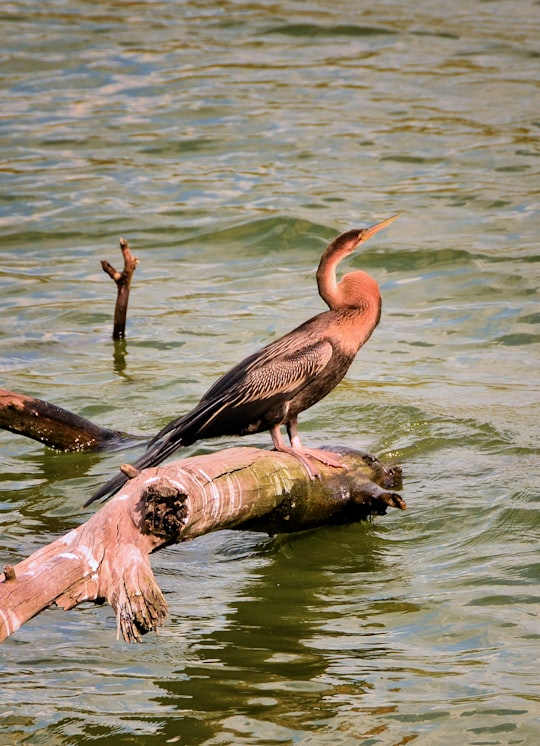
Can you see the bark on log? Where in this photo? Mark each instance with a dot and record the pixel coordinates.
(107, 558)
(123, 285)
(53, 426)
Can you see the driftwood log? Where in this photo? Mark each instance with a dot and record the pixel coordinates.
(53, 426)
(107, 558)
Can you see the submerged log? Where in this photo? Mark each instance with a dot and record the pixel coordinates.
(107, 558)
(53, 426)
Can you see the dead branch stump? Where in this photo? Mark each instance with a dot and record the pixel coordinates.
(123, 285)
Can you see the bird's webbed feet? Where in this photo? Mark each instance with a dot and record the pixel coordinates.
(324, 457)
(306, 456)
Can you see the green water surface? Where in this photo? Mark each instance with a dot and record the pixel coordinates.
(229, 143)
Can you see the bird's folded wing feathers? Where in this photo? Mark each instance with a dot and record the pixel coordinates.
(278, 371)
(283, 373)
(293, 361)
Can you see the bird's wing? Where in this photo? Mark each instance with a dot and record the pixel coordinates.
(255, 381)
(294, 354)
(284, 373)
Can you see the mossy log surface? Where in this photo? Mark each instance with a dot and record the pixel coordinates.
(107, 557)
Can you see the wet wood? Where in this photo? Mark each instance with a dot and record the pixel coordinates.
(123, 285)
(53, 426)
(107, 558)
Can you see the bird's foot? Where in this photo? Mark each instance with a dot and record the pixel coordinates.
(325, 457)
(305, 454)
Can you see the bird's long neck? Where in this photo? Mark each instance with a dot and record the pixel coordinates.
(326, 277)
(356, 289)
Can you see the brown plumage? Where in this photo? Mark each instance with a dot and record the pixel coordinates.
(271, 387)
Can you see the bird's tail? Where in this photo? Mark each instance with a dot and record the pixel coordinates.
(157, 451)
(180, 432)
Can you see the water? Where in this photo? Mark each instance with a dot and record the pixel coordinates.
(229, 144)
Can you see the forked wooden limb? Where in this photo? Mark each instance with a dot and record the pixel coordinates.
(107, 558)
(123, 284)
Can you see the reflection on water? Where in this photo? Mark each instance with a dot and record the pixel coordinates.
(229, 144)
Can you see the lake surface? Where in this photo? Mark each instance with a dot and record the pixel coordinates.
(229, 144)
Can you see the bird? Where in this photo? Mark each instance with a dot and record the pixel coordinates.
(271, 387)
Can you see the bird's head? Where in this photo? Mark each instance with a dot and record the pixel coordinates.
(347, 242)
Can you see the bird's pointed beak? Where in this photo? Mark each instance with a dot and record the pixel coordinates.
(368, 232)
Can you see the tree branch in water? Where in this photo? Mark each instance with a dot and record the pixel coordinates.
(53, 426)
(123, 284)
